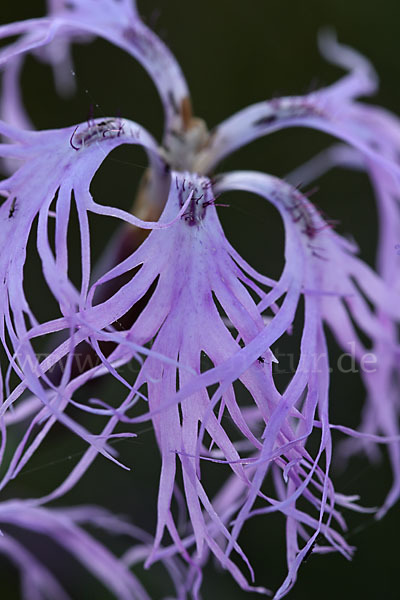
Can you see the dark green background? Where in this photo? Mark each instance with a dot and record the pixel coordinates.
(233, 54)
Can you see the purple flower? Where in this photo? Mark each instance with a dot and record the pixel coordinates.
(209, 319)
(64, 528)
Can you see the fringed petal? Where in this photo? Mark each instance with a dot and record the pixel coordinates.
(63, 527)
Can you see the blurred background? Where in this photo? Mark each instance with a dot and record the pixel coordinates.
(233, 54)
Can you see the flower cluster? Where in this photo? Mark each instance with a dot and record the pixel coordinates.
(173, 296)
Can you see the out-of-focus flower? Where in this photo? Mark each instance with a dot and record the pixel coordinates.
(209, 319)
(64, 528)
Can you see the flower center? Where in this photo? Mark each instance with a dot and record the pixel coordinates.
(182, 147)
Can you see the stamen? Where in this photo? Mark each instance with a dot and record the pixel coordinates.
(109, 128)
